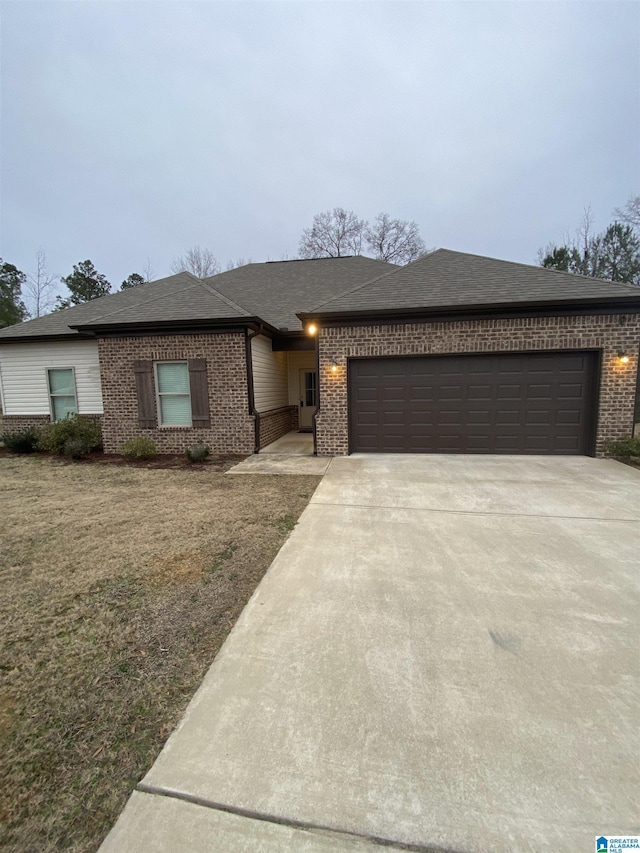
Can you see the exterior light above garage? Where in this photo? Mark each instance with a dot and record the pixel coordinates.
(312, 328)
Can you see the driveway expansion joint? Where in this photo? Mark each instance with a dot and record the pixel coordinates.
(367, 507)
(291, 823)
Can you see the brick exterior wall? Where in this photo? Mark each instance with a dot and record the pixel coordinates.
(232, 428)
(609, 333)
(15, 423)
(276, 423)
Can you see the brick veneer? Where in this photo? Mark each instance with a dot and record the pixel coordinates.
(232, 428)
(610, 333)
(276, 423)
(15, 423)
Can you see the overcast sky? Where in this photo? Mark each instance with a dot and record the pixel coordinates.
(133, 130)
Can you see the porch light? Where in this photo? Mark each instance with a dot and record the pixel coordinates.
(334, 365)
(623, 358)
(312, 328)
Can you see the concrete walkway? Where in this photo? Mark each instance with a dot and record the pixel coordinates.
(444, 655)
(291, 454)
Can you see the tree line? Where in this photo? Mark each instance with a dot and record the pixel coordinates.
(335, 233)
(613, 254)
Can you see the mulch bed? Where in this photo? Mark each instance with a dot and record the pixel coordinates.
(162, 461)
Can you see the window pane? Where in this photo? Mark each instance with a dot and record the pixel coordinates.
(61, 381)
(310, 389)
(173, 378)
(63, 406)
(175, 410)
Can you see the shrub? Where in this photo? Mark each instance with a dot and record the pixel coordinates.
(198, 452)
(76, 448)
(22, 441)
(140, 447)
(625, 448)
(75, 428)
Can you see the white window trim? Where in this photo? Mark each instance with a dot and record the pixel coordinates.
(50, 395)
(159, 395)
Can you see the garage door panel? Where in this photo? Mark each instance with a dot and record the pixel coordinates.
(479, 419)
(507, 417)
(541, 417)
(451, 392)
(568, 417)
(570, 391)
(540, 391)
(489, 403)
(479, 392)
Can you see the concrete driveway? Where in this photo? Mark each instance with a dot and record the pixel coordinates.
(444, 655)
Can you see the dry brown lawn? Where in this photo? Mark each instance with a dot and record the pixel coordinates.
(118, 587)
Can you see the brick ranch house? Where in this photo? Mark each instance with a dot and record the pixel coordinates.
(453, 353)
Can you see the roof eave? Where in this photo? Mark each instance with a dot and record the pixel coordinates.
(626, 304)
(41, 338)
(222, 323)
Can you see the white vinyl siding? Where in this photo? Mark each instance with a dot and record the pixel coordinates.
(24, 375)
(298, 360)
(269, 375)
(174, 397)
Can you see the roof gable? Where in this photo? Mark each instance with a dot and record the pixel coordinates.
(272, 292)
(277, 291)
(144, 299)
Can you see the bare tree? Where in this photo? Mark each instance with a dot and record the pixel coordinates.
(200, 262)
(334, 234)
(585, 240)
(394, 240)
(240, 262)
(39, 287)
(630, 213)
(147, 271)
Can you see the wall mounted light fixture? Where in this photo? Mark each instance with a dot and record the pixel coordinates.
(312, 328)
(334, 365)
(623, 358)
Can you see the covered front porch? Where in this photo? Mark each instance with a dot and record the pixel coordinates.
(285, 392)
(293, 443)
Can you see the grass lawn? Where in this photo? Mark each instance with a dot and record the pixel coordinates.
(119, 585)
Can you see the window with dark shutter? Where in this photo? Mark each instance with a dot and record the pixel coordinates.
(173, 393)
(145, 391)
(199, 393)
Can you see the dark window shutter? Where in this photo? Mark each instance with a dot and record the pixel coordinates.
(199, 393)
(143, 371)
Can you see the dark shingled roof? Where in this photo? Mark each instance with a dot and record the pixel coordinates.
(274, 292)
(177, 297)
(446, 279)
(278, 290)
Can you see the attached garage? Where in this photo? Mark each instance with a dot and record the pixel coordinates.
(457, 353)
(498, 403)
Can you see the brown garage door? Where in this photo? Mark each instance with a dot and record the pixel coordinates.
(507, 403)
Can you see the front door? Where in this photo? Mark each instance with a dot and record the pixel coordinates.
(308, 398)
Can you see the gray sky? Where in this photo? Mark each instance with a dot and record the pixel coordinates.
(133, 130)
